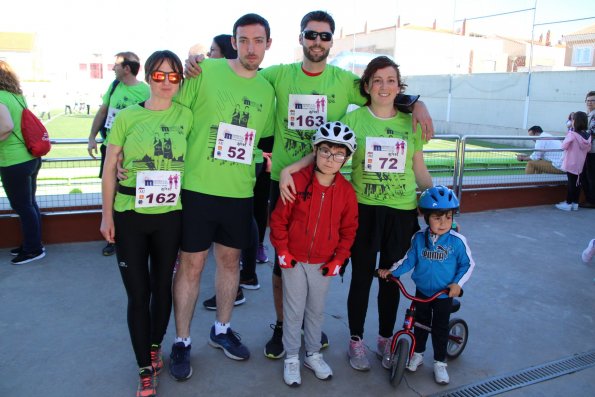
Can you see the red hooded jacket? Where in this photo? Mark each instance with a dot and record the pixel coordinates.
(320, 224)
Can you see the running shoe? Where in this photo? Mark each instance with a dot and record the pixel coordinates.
(179, 365)
(230, 343)
(274, 347)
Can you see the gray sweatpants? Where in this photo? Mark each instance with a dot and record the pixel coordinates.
(304, 297)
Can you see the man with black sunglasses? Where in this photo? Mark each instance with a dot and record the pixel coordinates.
(310, 93)
(124, 91)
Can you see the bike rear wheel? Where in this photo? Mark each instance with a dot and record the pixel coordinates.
(399, 361)
(458, 334)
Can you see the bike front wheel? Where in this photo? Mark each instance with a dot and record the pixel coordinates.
(399, 361)
(458, 334)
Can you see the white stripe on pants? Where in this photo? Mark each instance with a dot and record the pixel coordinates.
(304, 297)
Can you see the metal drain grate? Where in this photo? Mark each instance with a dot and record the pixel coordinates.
(522, 378)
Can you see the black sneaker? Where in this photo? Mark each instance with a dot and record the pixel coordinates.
(109, 249)
(250, 283)
(324, 340)
(26, 258)
(19, 250)
(179, 366)
(211, 304)
(274, 347)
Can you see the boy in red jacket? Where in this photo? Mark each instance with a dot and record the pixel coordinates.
(313, 236)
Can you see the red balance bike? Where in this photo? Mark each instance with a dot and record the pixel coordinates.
(403, 342)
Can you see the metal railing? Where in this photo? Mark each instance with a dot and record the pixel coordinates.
(472, 162)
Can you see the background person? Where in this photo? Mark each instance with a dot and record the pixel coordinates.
(129, 91)
(221, 48)
(588, 175)
(576, 145)
(440, 259)
(148, 235)
(547, 157)
(18, 168)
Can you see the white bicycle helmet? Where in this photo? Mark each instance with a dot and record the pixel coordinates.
(335, 132)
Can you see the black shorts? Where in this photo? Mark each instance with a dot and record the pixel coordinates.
(210, 219)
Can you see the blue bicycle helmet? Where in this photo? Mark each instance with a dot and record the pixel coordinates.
(438, 198)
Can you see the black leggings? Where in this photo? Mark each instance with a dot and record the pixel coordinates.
(572, 190)
(140, 238)
(389, 231)
(436, 315)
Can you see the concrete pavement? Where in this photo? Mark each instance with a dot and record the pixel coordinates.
(530, 300)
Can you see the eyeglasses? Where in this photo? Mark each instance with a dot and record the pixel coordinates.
(312, 35)
(589, 100)
(159, 76)
(337, 157)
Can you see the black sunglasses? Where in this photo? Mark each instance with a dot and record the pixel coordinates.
(312, 35)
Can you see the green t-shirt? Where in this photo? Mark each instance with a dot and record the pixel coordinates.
(12, 150)
(151, 141)
(395, 190)
(123, 96)
(341, 90)
(220, 95)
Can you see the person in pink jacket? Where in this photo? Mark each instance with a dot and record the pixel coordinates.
(576, 145)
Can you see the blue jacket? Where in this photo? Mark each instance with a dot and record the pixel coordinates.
(437, 262)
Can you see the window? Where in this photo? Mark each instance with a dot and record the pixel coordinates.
(96, 71)
(582, 56)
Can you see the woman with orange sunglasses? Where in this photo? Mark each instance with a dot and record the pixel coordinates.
(142, 214)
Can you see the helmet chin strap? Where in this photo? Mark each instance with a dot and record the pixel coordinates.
(316, 169)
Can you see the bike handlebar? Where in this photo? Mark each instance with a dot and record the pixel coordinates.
(391, 278)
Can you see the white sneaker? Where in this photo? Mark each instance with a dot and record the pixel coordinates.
(416, 361)
(564, 206)
(383, 351)
(574, 206)
(315, 362)
(589, 252)
(440, 374)
(357, 354)
(291, 371)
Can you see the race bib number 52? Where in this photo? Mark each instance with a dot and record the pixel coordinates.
(234, 143)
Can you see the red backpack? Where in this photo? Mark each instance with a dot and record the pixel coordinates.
(37, 140)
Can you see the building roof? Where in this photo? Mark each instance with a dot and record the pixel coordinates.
(584, 34)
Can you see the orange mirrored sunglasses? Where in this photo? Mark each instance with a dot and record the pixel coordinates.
(159, 76)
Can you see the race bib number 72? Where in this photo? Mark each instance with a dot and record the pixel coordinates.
(385, 155)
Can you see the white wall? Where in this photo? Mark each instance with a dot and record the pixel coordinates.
(495, 103)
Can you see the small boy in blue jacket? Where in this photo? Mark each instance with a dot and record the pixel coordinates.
(440, 259)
